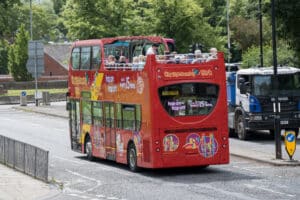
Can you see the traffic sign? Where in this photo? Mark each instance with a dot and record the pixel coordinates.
(23, 93)
(290, 143)
(35, 62)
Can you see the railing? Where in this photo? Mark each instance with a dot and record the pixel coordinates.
(24, 157)
(163, 59)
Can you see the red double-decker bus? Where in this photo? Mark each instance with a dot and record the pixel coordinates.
(152, 111)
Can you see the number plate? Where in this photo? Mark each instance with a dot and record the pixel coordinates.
(284, 122)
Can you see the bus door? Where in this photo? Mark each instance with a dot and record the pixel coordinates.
(110, 130)
(74, 124)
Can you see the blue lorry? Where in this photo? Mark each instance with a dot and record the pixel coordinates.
(251, 100)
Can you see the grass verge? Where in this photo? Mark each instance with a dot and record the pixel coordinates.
(32, 91)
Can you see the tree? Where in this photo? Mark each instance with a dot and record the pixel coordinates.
(18, 56)
(285, 56)
(7, 19)
(3, 56)
(44, 21)
(183, 20)
(95, 19)
(58, 5)
(287, 13)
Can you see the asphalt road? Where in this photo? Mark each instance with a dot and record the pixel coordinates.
(76, 178)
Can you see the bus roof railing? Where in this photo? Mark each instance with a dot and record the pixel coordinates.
(189, 58)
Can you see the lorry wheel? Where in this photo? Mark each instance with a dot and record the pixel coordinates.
(241, 130)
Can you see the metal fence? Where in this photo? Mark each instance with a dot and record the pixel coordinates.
(24, 157)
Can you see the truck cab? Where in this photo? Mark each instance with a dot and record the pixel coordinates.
(251, 100)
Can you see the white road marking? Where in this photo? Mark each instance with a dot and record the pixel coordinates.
(68, 160)
(229, 193)
(268, 190)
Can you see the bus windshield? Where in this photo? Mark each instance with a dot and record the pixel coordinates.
(188, 99)
(289, 84)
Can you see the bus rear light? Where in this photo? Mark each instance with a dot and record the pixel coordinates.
(224, 138)
(157, 149)
(157, 142)
(158, 70)
(224, 146)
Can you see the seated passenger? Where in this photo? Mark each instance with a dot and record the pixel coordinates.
(135, 63)
(161, 59)
(198, 57)
(111, 60)
(152, 49)
(172, 57)
(212, 54)
(142, 61)
(122, 59)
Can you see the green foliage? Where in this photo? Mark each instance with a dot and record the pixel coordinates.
(18, 56)
(285, 56)
(287, 13)
(58, 5)
(7, 19)
(3, 56)
(44, 21)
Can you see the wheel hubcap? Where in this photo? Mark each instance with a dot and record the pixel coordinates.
(88, 147)
(132, 158)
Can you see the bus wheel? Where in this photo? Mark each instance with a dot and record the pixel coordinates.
(241, 130)
(132, 158)
(88, 148)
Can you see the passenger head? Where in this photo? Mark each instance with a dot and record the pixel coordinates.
(198, 53)
(122, 59)
(142, 58)
(213, 51)
(111, 59)
(135, 59)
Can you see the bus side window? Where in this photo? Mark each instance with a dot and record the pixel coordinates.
(85, 58)
(96, 57)
(75, 58)
(128, 112)
(138, 117)
(97, 114)
(119, 116)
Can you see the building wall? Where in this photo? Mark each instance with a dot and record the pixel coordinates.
(53, 68)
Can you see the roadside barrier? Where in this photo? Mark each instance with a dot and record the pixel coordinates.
(24, 157)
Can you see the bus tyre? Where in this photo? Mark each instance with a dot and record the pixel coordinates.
(132, 158)
(241, 130)
(88, 149)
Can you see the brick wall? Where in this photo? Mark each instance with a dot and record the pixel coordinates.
(53, 68)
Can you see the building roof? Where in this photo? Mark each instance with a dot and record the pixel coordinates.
(60, 52)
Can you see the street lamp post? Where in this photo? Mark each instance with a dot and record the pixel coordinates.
(228, 30)
(275, 100)
(261, 36)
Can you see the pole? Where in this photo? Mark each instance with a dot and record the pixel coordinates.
(277, 116)
(35, 57)
(261, 36)
(35, 72)
(30, 20)
(228, 30)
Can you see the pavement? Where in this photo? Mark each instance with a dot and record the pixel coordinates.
(16, 185)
